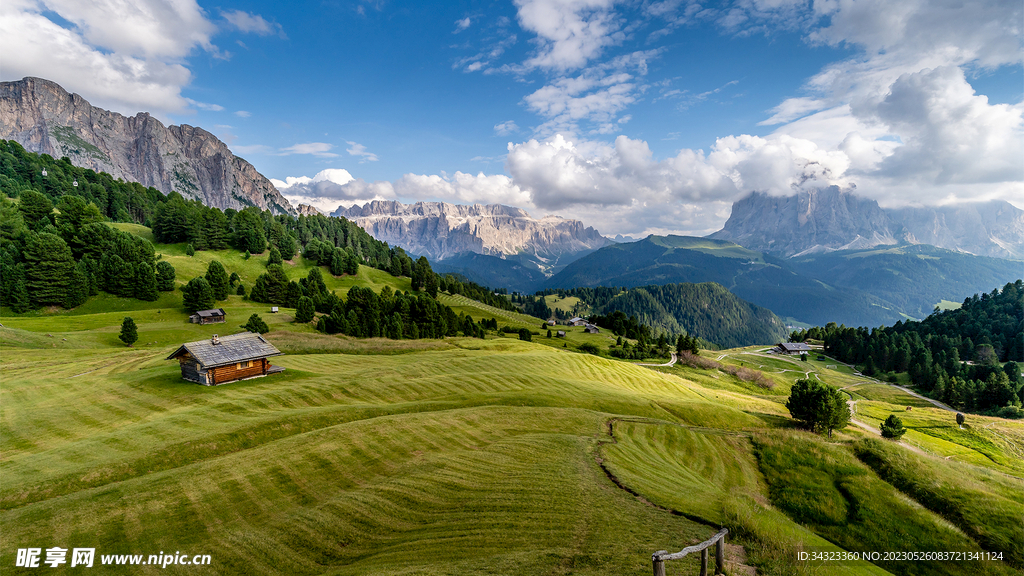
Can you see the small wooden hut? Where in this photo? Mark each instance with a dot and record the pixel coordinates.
(213, 316)
(219, 360)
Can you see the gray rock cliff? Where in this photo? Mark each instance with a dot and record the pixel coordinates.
(45, 118)
(832, 219)
(440, 230)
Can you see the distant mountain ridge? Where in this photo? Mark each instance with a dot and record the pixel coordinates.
(832, 219)
(870, 287)
(441, 231)
(44, 118)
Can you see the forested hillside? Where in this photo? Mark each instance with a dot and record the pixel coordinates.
(707, 311)
(968, 358)
(61, 257)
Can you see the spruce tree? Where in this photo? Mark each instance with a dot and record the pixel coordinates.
(275, 256)
(129, 332)
(145, 282)
(49, 268)
(304, 311)
(164, 276)
(197, 295)
(189, 250)
(256, 324)
(218, 279)
(36, 209)
(78, 290)
(18, 299)
(893, 427)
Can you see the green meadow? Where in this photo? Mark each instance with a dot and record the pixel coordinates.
(464, 456)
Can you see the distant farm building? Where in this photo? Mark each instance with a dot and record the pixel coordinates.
(577, 321)
(214, 316)
(560, 334)
(591, 329)
(551, 322)
(219, 360)
(792, 348)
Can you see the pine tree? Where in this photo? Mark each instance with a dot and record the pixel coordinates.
(241, 289)
(164, 276)
(304, 311)
(78, 290)
(893, 427)
(19, 300)
(197, 295)
(36, 209)
(275, 256)
(145, 282)
(256, 324)
(49, 268)
(129, 332)
(189, 250)
(218, 280)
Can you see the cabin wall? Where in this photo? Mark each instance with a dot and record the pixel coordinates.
(191, 371)
(222, 374)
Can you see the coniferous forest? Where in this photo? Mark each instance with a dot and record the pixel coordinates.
(969, 358)
(61, 257)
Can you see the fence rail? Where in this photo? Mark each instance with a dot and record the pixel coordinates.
(659, 557)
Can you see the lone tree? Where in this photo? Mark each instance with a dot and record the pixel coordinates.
(818, 406)
(189, 250)
(129, 332)
(524, 334)
(256, 324)
(893, 427)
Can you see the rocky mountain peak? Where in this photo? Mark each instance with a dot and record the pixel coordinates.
(44, 118)
(832, 219)
(441, 230)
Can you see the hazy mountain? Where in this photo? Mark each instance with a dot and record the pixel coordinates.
(441, 231)
(832, 219)
(44, 118)
(856, 288)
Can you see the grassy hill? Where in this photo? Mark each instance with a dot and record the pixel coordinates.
(461, 456)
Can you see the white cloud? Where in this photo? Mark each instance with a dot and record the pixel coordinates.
(505, 128)
(596, 95)
(319, 149)
(328, 189)
(252, 23)
(461, 25)
(124, 58)
(570, 33)
(243, 114)
(205, 106)
(358, 150)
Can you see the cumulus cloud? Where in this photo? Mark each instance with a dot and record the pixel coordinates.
(461, 25)
(326, 190)
(205, 106)
(125, 58)
(252, 23)
(570, 33)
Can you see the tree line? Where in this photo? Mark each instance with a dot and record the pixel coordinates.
(968, 358)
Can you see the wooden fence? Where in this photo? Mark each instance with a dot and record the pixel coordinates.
(659, 557)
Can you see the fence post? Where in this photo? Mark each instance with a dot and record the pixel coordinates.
(659, 564)
(720, 555)
(704, 562)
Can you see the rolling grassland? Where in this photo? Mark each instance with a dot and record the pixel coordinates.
(462, 456)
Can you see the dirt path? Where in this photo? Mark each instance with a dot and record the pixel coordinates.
(669, 363)
(877, 432)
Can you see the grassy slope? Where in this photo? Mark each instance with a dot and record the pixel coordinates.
(438, 457)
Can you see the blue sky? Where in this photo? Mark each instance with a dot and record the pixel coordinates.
(635, 117)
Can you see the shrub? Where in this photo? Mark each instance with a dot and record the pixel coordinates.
(256, 324)
(893, 427)
(189, 250)
(524, 334)
(588, 348)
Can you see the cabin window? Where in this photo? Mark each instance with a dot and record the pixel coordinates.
(245, 364)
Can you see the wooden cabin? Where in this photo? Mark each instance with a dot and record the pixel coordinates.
(219, 360)
(214, 316)
(791, 348)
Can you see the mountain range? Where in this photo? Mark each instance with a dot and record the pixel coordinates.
(476, 235)
(832, 219)
(44, 118)
(855, 287)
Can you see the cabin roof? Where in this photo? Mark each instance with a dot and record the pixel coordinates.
(794, 347)
(213, 312)
(229, 349)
